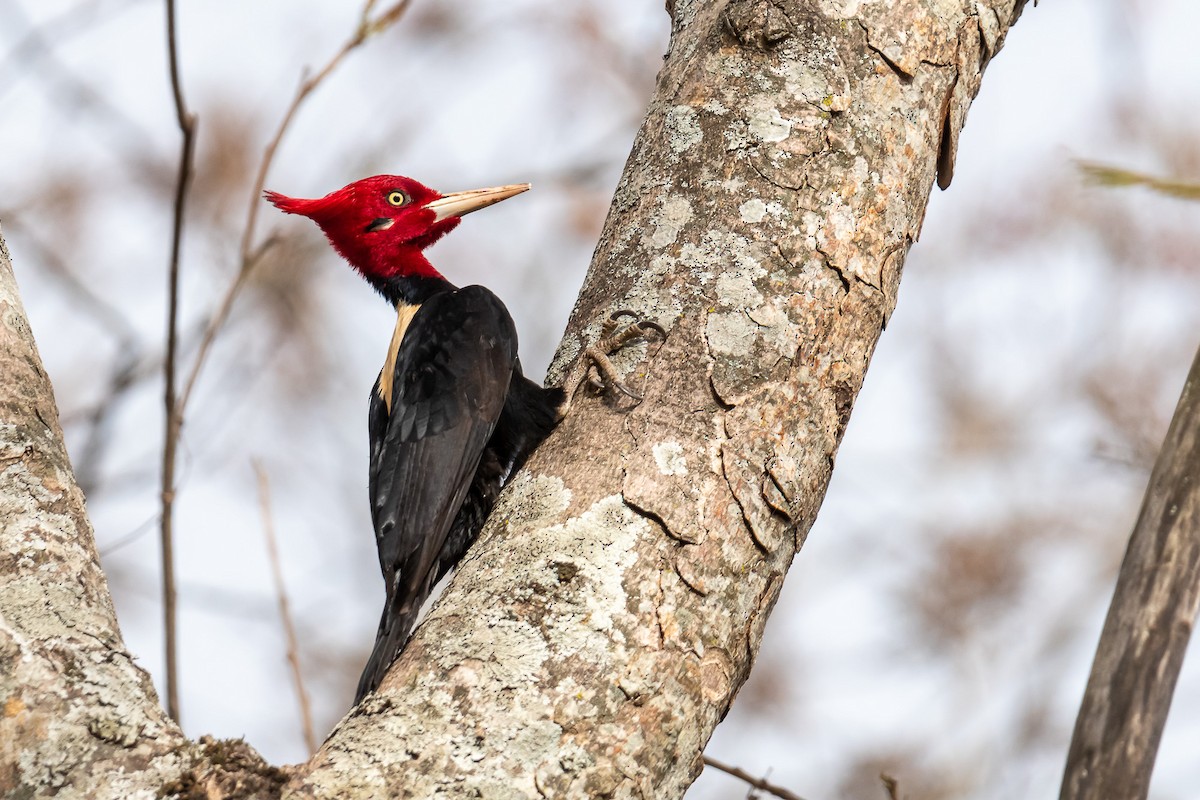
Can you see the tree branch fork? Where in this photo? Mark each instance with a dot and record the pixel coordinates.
(601, 627)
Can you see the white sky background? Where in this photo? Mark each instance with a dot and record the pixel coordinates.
(552, 93)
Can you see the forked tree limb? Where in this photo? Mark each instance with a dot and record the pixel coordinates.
(601, 627)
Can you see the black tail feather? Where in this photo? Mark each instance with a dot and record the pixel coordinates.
(394, 628)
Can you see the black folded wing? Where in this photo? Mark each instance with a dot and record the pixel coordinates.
(451, 379)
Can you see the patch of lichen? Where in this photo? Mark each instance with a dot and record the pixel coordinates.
(228, 769)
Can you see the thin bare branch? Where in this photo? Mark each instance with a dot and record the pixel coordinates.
(187, 126)
(250, 254)
(285, 613)
(758, 783)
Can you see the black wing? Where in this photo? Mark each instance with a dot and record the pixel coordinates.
(452, 376)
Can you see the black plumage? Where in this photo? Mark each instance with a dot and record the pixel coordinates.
(451, 415)
(461, 419)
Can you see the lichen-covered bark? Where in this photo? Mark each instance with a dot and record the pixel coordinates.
(77, 717)
(603, 624)
(601, 627)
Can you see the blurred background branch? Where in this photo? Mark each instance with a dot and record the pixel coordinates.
(250, 253)
(250, 256)
(1106, 175)
(285, 611)
(1155, 602)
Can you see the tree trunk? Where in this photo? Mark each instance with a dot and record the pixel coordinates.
(602, 625)
(76, 709)
(1149, 624)
(600, 629)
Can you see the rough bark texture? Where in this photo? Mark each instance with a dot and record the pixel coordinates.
(78, 718)
(77, 712)
(1148, 627)
(603, 624)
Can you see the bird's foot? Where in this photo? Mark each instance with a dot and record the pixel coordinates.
(614, 335)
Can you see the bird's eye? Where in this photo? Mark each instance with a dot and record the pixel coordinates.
(397, 198)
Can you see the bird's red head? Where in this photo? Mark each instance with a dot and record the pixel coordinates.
(381, 224)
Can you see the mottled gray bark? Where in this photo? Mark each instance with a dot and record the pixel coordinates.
(79, 720)
(1149, 624)
(603, 624)
(76, 711)
(601, 627)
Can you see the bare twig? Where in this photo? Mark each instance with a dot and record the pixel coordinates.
(251, 255)
(128, 538)
(757, 783)
(285, 613)
(187, 125)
